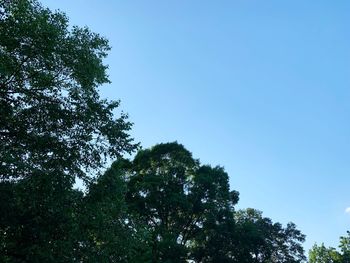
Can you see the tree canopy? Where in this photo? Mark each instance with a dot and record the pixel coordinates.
(188, 210)
(176, 198)
(54, 128)
(261, 240)
(52, 118)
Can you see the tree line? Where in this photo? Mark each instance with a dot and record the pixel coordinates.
(162, 205)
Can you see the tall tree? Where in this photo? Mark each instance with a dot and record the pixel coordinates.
(108, 234)
(177, 199)
(54, 128)
(262, 241)
(158, 191)
(214, 240)
(51, 115)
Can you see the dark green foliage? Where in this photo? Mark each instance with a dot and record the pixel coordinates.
(51, 115)
(45, 220)
(261, 240)
(213, 241)
(54, 128)
(159, 193)
(39, 219)
(188, 209)
(109, 234)
(176, 199)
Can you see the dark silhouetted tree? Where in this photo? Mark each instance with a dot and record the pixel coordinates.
(51, 114)
(179, 201)
(108, 233)
(262, 241)
(54, 128)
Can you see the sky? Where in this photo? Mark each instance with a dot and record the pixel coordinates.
(258, 87)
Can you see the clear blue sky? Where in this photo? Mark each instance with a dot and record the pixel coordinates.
(259, 87)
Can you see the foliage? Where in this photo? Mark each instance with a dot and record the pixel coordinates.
(188, 209)
(51, 116)
(214, 240)
(322, 254)
(54, 128)
(345, 247)
(39, 220)
(162, 206)
(261, 240)
(176, 198)
(107, 233)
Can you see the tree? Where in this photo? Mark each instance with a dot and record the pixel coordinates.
(261, 240)
(345, 247)
(322, 254)
(108, 234)
(39, 220)
(214, 241)
(51, 114)
(158, 189)
(177, 199)
(54, 128)
(187, 211)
